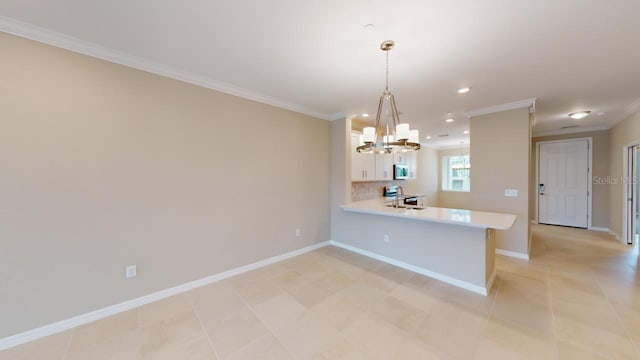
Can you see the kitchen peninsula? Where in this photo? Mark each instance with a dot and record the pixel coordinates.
(452, 245)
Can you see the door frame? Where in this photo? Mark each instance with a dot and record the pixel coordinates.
(589, 176)
(625, 194)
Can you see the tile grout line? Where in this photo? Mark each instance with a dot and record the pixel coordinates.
(263, 324)
(493, 304)
(618, 318)
(195, 311)
(66, 350)
(139, 311)
(553, 315)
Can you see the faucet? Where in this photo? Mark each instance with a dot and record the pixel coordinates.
(399, 191)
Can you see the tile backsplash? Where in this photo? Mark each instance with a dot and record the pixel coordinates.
(370, 189)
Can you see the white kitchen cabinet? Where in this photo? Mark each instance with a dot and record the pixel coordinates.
(363, 166)
(409, 158)
(412, 162)
(400, 158)
(384, 166)
(379, 167)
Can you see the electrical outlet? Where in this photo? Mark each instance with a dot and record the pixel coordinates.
(386, 238)
(511, 193)
(298, 232)
(131, 271)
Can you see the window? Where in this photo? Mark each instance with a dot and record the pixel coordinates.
(456, 173)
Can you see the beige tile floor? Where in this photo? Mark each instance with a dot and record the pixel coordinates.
(577, 298)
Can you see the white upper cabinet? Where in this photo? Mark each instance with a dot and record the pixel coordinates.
(379, 167)
(363, 166)
(412, 162)
(400, 158)
(384, 166)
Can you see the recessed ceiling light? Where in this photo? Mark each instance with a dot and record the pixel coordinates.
(369, 26)
(365, 115)
(449, 120)
(465, 132)
(428, 137)
(464, 90)
(580, 114)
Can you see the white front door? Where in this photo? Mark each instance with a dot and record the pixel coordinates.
(563, 183)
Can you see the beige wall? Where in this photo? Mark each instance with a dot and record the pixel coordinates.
(500, 151)
(452, 199)
(103, 166)
(340, 172)
(624, 133)
(426, 182)
(600, 141)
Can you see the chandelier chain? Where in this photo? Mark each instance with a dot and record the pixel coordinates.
(387, 72)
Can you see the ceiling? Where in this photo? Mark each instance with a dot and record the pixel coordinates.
(316, 57)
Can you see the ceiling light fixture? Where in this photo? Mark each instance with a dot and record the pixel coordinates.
(465, 132)
(449, 120)
(396, 136)
(580, 114)
(365, 115)
(464, 90)
(428, 137)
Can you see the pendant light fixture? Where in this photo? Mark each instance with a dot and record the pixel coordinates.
(395, 136)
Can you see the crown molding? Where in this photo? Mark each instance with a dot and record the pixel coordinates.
(633, 108)
(39, 34)
(527, 103)
(337, 116)
(454, 147)
(571, 131)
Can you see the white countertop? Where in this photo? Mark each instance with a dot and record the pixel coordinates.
(478, 219)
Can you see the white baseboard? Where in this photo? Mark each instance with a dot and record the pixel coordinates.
(491, 279)
(598, 228)
(512, 254)
(444, 278)
(614, 234)
(67, 324)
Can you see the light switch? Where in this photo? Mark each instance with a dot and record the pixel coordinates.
(511, 192)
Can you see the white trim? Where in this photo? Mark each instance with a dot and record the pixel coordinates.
(491, 279)
(337, 116)
(625, 169)
(67, 324)
(589, 176)
(36, 33)
(599, 228)
(527, 103)
(512, 254)
(571, 131)
(444, 278)
(632, 109)
(613, 233)
(455, 147)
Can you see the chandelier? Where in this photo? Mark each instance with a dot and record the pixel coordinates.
(396, 136)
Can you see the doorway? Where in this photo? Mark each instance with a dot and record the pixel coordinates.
(564, 186)
(632, 191)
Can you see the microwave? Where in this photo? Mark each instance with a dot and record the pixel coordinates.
(400, 171)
